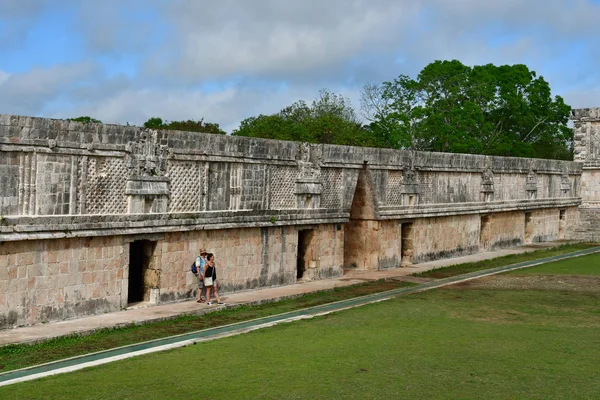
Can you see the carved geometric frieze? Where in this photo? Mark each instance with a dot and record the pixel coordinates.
(148, 184)
(185, 187)
(333, 187)
(410, 186)
(487, 185)
(282, 181)
(394, 188)
(104, 182)
(565, 185)
(531, 185)
(146, 157)
(308, 184)
(235, 187)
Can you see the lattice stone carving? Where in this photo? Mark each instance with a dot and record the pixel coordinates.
(394, 188)
(186, 191)
(332, 188)
(105, 188)
(283, 185)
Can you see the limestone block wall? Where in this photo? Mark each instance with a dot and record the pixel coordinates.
(588, 225)
(444, 237)
(324, 253)
(59, 176)
(246, 259)
(390, 248)
(586, 144)
(554, 224)
(272, 211)
(52, 280)
(504, 229)
(362, 244)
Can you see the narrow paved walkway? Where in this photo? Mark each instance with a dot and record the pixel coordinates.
(143, 314)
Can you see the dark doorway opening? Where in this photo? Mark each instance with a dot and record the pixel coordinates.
(485, 232)
(140, 256)
(528, 234)
(562, 221)
(304, 237)
(406, 241)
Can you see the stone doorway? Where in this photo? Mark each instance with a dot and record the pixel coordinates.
(141, 277)
(528, 234)
(407, 243)
(562, 222)
(304, 257)
(485, 232)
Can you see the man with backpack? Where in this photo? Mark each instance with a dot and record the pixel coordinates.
(198, 270)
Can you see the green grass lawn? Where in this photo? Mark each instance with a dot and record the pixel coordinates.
(585, 265)
(453, 270)
(20, 356)
(25, 355)
(458, 342)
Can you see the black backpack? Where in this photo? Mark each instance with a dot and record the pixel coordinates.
(194, 269)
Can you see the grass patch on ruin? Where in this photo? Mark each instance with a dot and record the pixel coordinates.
(25, 355)
(453, 342)
(459, 269)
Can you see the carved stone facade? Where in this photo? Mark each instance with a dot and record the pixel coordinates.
(586, 146)
(96, 217)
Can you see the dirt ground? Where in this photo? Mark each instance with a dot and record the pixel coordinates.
(577, 283)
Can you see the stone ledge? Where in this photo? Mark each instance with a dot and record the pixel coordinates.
(440, 210)
(52, 227)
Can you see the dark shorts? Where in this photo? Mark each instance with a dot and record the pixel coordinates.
(200, 283)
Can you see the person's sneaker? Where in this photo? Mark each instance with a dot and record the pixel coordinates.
(209, 303)
(220, 302)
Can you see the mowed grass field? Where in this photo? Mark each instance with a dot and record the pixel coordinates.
(528, 334)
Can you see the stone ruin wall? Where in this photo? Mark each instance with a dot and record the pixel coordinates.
(586, 146)
(76, 197)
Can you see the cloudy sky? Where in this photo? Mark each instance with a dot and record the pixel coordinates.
(225, 60)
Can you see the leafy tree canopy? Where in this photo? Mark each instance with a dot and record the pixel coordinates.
(85, 120)
(329, 119)
(450, 107)
(188, 126)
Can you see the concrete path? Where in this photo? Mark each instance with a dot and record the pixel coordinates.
(141, 314)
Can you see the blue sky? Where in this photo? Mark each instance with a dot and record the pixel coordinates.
(128, 60)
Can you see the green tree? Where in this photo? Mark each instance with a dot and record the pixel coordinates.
(328, 119)
(497, 110)
(187, 126)
(86, 120)
(154, 123)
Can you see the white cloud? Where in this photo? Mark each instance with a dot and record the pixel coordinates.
(262, 55)
(28, 93)
(227, 107)
(3, 76)
(271, 37)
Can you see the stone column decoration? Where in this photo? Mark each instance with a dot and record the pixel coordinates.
(410, 186)
(235, 187)
(531, 185)
(586, 134)
(148, 186)
(487, 185)
(565, 185)
(308, 184)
